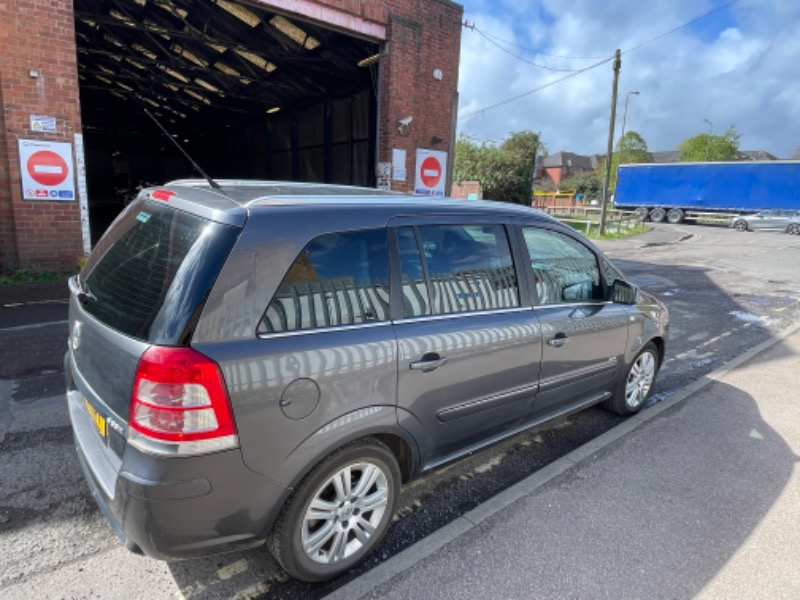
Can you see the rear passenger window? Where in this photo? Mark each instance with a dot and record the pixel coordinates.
(565, 271)
(469, 267)
(415, 288)
(338, 279)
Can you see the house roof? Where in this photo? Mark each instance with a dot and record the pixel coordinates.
(568, 159)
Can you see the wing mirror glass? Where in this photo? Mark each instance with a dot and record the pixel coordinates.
(623, 292)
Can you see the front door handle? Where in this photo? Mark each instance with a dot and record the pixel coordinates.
(430, 361)
(559, 340)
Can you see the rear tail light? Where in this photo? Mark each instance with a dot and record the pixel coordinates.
(179, 404)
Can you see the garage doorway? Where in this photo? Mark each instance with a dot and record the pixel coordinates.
(248, 92)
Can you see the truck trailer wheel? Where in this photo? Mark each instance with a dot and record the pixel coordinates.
(657, 215)
(642, 213)
(674, 216)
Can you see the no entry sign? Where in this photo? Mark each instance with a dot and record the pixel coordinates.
(46, 170)
(430, 172)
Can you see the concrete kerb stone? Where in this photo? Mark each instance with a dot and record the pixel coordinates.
(426, 547)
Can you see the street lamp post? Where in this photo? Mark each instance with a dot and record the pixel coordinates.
(622, 137)
(708, 141)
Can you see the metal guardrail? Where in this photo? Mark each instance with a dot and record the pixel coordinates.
(616, 220)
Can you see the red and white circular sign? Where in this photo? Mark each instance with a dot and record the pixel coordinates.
(430, 171)
(47, 168)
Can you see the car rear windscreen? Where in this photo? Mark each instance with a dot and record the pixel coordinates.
(151, 272)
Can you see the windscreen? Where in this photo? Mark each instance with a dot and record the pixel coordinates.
(151, 272)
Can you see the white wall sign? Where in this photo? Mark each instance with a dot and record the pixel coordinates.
(43, 123)
(46, 170)
(430, 172)
(398, 164)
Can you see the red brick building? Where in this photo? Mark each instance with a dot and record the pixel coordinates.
(311, 90)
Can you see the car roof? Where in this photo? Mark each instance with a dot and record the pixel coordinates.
(235, 195)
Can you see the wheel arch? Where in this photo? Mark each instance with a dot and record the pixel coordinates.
(378, 422)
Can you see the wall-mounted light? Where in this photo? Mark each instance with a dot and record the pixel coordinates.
(272, 110)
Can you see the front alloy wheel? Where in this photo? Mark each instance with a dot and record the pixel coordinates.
(633, 391)
(640, 380)
(740, 226)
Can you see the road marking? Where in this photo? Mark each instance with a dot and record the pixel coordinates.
(33, 326)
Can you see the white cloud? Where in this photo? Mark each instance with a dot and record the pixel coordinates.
(738, 67)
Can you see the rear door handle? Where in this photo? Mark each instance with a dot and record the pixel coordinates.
(559, 340)
(430, 361)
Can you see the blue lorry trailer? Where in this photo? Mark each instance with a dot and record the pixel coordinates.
(677, 191)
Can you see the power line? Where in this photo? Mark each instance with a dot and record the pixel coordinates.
(679, 27)
(521, 47)
(517, 56)
(589, 68)
(540, 88)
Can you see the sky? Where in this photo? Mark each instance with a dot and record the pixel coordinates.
(739, 66)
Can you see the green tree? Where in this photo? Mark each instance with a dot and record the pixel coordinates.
(705, 147)
(589, 184)
(505, 171)
(631, 149)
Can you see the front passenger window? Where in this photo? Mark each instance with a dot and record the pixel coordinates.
(565, 271)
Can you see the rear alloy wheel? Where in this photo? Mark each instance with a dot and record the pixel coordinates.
(339, 513)
(740, 226)
(793, 228)
(657, 215)
(675, 216)
(633, 391)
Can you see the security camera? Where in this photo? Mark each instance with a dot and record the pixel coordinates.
(405, 122)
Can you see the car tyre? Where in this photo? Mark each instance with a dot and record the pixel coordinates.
(740, 225)
(657, 215)
(353, 492)
(675, 216)
(793, 228)
(634, 389)
(642, 212)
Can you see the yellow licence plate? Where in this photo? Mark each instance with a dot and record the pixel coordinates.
(97, 418)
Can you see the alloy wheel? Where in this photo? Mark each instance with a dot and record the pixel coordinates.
(640, 379)
(345, 512)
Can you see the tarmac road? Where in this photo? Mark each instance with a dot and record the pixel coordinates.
(727, 292)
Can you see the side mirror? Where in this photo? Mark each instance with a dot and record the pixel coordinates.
(623, 292)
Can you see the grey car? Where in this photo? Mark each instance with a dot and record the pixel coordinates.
(269, 362)
(778, 219)
(793, 226)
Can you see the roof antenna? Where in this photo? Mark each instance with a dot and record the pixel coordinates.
(197, 168)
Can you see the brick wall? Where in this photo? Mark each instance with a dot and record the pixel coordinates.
(421, 36)
(36, 35)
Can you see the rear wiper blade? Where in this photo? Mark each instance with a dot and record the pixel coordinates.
(84, 293)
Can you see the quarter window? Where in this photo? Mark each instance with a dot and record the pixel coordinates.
(338, 279)
(565, 271)
(469, 268)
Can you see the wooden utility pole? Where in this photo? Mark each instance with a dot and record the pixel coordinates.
(610, 153)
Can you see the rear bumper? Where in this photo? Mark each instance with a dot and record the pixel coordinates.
(175, 507)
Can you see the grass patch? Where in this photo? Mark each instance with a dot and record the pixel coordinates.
(25, 277)
(611, 232)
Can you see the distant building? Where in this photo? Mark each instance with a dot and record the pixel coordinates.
(562, 165)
